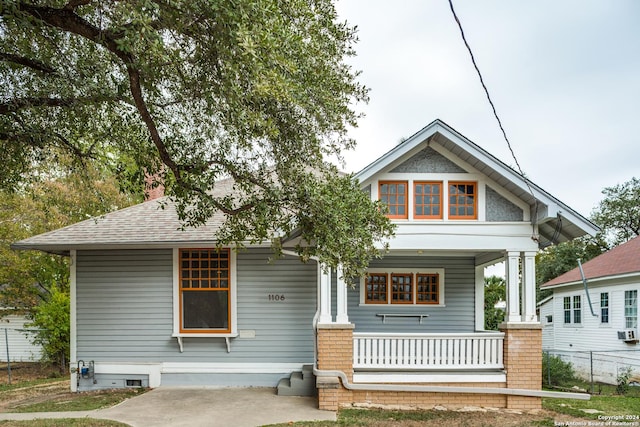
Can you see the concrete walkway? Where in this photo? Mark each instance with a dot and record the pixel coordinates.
(202, 406)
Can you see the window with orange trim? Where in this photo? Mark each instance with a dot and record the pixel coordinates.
(427, 286)
(463, 198)
(394, 194)
(377, 286)
(205, 290)
(401, 288)
(427, 200)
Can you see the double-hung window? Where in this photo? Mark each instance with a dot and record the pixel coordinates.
(407, 288)
(204, 291)
(631, 309)
(572, 307)
(604, 307)
(577, 309)
(566, 304)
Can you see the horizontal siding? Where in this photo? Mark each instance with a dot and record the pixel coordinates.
(456, 316)
(125, 310)
(18, 340)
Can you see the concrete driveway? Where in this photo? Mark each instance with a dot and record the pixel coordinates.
(203, 406)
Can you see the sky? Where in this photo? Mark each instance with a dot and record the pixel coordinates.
(564, 77)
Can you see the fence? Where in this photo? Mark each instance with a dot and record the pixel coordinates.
(593, 366)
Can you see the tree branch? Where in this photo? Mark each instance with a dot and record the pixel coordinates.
(73, 4)
(27, 62)
(15, 105)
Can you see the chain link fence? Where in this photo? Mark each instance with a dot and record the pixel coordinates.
(593, 367)
(16, 345)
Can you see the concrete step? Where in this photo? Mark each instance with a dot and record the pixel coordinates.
(298, 384)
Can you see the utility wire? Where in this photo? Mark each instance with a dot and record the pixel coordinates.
(495, 114)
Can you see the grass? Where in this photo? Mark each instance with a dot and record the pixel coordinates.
(86, 401)
(30, 383)
(63, 422)
(607, 405)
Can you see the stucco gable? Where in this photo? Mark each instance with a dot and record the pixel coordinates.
(428, 160)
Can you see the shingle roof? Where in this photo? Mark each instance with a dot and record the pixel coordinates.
(150, 223)
(623, 259)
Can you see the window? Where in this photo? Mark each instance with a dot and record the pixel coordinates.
(604, 307)
(393, 194)
(631, 309)
(376, 289)
(427, 289)
(462, 200)
(205, 290)
(403, 287)
(577, 310)
(567, 309)
(427, 200)
(549, 318)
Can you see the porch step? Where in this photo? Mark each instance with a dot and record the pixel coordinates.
(299, 383)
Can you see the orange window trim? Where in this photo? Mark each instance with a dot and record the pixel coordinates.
(425, 205)
(209, 289)
(437, 291)
(475, 200)
(367, 300)
(405, 205)
(393, 293)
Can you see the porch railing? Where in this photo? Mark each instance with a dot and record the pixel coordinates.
(389, 351)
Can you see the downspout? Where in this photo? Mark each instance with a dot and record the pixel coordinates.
(586, 288)
(418, 388)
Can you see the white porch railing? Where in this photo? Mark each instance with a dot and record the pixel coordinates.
(388, 351)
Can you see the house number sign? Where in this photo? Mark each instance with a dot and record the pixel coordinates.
(276, 297)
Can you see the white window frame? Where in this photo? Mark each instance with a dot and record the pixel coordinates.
(607, 307)
(233, 302)
(626, 318)
(414, 272)
(572, 311)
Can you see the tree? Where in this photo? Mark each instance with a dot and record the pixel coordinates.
(194, 91)
(495, 289)
(618, 214)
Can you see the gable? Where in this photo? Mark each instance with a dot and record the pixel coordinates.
(500, 209)
(428, 160)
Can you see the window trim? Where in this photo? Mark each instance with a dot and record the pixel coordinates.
(440, 272)
(606, 307)
(634, 308)
(475, 200)
(233, 312)
(572, 311)
(427, 182)
(406, 197)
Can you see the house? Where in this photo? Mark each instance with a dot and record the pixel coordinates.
(598, 326)
(16, 340)
(154, 305)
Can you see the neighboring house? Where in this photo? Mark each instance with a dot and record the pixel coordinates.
(545, 314)
(153, 305)
(15, 336)
(606, 340)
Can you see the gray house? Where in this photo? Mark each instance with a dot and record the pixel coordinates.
(153, 305)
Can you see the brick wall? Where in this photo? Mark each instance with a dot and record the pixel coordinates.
(335, 352)
(523, 363)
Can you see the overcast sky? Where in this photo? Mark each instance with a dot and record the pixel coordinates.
(564, 76)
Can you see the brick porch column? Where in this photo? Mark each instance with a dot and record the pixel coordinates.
(523, 362)
(335, 353)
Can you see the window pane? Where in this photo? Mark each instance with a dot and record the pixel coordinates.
(205, 310)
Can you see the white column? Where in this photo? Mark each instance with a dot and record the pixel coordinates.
(73, 321)
(341, 298)
(513, 288)
(479, 298)
(325, 294)
(529, 287)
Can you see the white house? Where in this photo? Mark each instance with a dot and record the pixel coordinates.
(596, 326)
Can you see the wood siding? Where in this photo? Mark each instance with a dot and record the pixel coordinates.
(459, 292)
(125, 310)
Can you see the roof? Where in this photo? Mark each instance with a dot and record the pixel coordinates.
(557, 222)
(152, 223)
(156, 222)
(622, 260)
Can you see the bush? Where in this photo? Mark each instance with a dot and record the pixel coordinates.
(557, 370)
(622, 380)
(51, 320)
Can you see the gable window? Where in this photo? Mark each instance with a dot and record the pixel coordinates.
(463, 199)
(427, 200)
(204, 291)
(604, 307)
(403, 287)
(631, 309)
(394, 194)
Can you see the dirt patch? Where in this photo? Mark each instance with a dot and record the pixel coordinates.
(23, 371)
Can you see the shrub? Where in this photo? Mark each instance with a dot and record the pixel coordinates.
(622, 380)
(557, 370)
(51, 320)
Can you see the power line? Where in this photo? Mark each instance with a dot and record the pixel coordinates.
(495, 114)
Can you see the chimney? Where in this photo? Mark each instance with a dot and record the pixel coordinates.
(153, 185)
